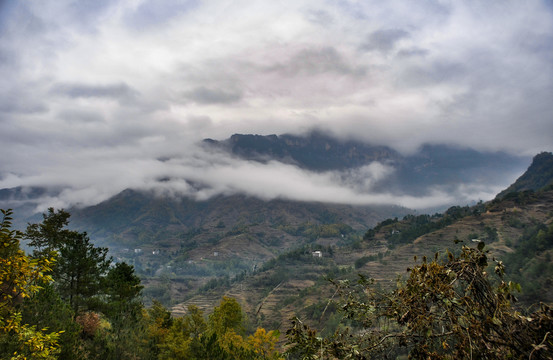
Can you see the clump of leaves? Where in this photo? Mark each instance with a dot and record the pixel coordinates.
(446, 309)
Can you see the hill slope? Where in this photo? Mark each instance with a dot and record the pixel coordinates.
(538, 175)
(177, 245)
(518, 231)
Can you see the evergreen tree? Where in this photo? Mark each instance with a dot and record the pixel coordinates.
(80, 265)
(123, 293)
(50, 234)
(123, 307)
(78, 273)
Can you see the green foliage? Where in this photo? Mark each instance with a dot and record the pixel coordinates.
(46, 309)
(363, 260)
(87, 309)
(315, 231)
(227, 316)
(79, 270)
(528, 264)
(221, 337)
(50, 234)
(412, 226)
(96, 309)
(214, 283)
(369, 235)
(237, 230)
(123, 308)
(445, 310)
(518, 198)
(80, 265)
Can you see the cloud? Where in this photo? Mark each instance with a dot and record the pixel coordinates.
(93, 93)
(204, 95)
(414, 51)
(16, 102)
(120, 92)
(384, 40)
(156, 13)
(317, 61)
(101, 91)
(201, 174)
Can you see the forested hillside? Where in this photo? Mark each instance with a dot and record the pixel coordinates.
(177, 245)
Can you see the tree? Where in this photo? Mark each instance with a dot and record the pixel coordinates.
(193, 322)
(80, 265)
(50, 234)
(46, 309)
(227, 316)
(263, 343)
(446, 309)
(78, 273)
(123, 290)
(159, 322)
(176, 344)
(21, 277)
(123, 307)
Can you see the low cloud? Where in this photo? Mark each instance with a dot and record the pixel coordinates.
(202, 175)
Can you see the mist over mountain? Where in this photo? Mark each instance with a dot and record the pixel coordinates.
(316, 167)
(432, 167)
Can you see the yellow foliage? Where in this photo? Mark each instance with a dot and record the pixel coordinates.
(21, 277)
(263, 343)
(231, 340)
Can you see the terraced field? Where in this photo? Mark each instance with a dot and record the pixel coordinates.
(297, 286)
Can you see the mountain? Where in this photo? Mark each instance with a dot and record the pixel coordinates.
(186, 243)
(315, 151)
(431, 166)
(538, 175)
(136, 217)
(516, 230)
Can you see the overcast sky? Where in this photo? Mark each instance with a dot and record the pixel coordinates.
(93, 93)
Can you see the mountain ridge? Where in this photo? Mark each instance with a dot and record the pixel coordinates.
(538, 175)
(433, 165)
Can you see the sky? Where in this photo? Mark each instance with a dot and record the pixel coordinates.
(95, 93)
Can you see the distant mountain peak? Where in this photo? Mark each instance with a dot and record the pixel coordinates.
(315, 151)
